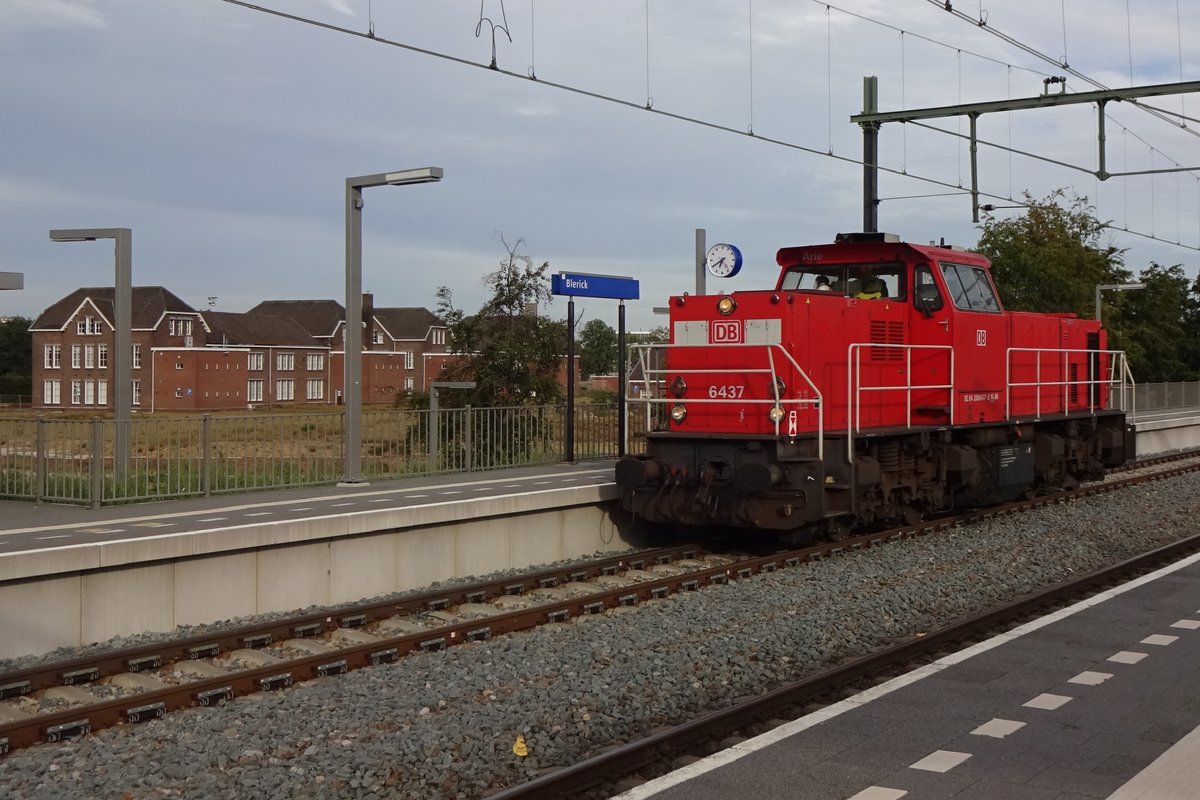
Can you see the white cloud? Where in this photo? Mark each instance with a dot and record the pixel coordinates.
(25, 15)
(227, 145)
(340, 6)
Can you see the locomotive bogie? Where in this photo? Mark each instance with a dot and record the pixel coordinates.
(894, 478)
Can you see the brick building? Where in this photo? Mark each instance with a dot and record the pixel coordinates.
(281, 352)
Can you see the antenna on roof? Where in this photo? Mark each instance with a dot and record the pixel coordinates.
(212, 302)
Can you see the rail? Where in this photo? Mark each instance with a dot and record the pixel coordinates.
(654, 391)
(1119, 379)
(855, 388)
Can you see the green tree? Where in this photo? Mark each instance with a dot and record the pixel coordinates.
(1151, 325)
(512, 353)
(1052, 257)
(1191, 330)
(597, 343)
(16, 356)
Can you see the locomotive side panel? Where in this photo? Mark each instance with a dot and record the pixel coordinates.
(878, 381)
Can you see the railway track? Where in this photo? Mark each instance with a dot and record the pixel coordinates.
(60, 701)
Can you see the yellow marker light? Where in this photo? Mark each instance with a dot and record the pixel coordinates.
(678, 413)
(726, 305)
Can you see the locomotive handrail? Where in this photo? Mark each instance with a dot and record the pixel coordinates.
(648, 395)
(854, 387)
(1117, 384)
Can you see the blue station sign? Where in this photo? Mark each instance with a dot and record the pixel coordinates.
(581, 284)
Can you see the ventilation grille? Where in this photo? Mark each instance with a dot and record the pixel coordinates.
(885, 332)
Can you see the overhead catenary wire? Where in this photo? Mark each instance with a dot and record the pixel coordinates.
(994, 31)
(495, 69)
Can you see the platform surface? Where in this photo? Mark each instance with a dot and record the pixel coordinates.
(1100, 700)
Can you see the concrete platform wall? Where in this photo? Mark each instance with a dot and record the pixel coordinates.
(71, 608)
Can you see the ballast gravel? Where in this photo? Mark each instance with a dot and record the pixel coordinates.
(446, 724)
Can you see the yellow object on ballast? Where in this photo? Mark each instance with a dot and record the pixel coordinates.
(519, 746)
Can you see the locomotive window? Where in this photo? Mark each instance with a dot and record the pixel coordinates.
(810, 281)
(926, 295)
(862, 281)
(970, 288)
(876, 282)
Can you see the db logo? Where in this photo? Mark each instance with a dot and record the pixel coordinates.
(726, 331)
(981, 338)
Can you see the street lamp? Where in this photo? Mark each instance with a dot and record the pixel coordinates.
(1116, 287)
(352, 382)
(122, 392)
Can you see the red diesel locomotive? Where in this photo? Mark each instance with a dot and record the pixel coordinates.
(878, 381)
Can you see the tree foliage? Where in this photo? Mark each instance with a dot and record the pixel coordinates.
(1150, 325)
(16, 356)
(1052, 257)
(512, 352)
(597, 343)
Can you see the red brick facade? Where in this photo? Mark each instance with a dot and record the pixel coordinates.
(278, 354)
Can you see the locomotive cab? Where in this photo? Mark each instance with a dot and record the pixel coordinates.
(876, 381)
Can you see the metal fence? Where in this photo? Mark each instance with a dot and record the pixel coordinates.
(1156, 396)
(73, 460)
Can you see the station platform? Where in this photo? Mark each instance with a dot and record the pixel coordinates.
(70, 575)
(1098, 700)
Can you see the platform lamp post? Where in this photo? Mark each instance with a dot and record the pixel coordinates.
(122, 392)
(352, 382)
(1115, 287)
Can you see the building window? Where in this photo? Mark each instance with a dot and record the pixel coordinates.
(439, 335)
(316, 389)
(178, 365)
(89, 393)
(254, 391)
(88, 326)
(137, 356)
(315, 361)
(376, 337)
(102, 356)
(76, 392)
(89, 356)
(285, 361)
(52, 356)
(254, 362)
(137, 393)
(285, 389)
(179, 326)
(408, 384)
(408, 359)
(178, 391)
(52, 392)
(101, 393)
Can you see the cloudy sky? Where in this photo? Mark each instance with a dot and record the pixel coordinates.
(222, 135)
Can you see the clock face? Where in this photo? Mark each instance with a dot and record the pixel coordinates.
(724, 260)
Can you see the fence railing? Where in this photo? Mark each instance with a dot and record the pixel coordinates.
(73, 460)
(1158, 396)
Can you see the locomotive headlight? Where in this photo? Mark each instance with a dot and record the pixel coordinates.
(678, 387)
(678, 413)
(726, 305)
(776, 414)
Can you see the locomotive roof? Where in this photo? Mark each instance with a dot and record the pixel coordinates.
(872, 247)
